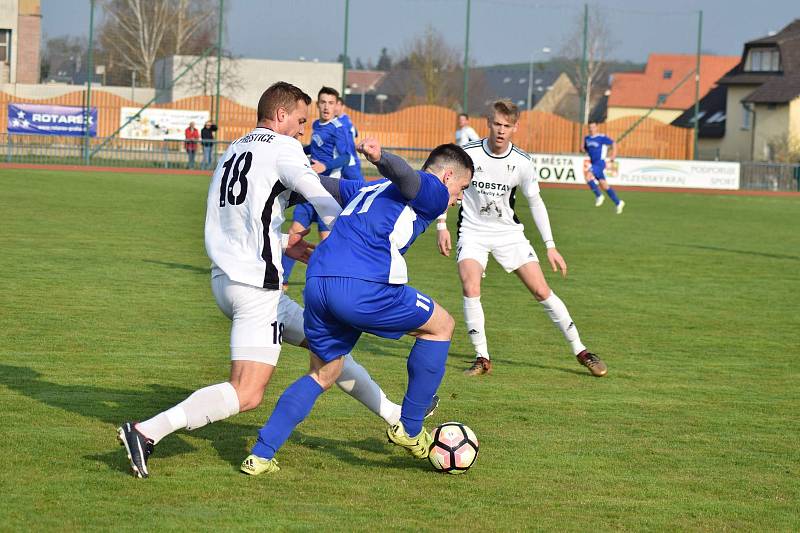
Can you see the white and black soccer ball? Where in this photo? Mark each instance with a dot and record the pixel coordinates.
(454, 449)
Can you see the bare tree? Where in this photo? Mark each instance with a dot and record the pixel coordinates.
(599, 44)
(431, 67)
(135, 33)
(202, 78)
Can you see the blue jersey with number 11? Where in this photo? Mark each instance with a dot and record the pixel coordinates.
(376, 227)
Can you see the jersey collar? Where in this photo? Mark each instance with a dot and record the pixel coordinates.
(488, 151)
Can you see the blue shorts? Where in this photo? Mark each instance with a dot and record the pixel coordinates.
(306, 215)
(339, 309)
(597, 170)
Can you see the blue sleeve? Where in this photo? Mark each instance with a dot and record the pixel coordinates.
(432, 198)
(608, 140)
(348, 189)
(342, 147)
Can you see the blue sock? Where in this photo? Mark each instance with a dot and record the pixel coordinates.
(611, 194)
(288, 265)
(293, 406)
(425, 372)
(595, 189)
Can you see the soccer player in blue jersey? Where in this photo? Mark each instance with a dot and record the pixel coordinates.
(596, 147)
(351, 171)
(356, 282)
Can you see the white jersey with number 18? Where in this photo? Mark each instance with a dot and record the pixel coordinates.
(248, 193)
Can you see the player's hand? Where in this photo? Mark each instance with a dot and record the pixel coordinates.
(557, 262)
(298, 248)
(371, 149)
(443, 240)
(317, 167)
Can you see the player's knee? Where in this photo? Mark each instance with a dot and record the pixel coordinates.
(249, 399)
(471, 288)
(541, 292)
(447, 325)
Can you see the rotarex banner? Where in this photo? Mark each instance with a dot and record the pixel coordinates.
(37, 119)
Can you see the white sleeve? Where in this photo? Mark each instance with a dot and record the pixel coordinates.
(530, 188)
(472, 135)
(295, 173)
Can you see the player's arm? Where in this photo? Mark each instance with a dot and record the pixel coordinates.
(393, 167)
(343, 158)
(613, 151)
(532, 192)
(296, 175)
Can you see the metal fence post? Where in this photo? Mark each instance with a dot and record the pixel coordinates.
(9, 149)
(166, 155)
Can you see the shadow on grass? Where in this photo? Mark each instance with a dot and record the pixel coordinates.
(231, 440)
(179, 266)
(342, 449)
(468, 360)
(740, 252)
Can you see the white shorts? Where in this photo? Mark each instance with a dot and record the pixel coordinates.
(290, 314)
(256, 332)
(510, 249)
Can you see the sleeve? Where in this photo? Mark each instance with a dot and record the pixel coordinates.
(342, 147)
(472, 135)
(609, 141)
(396, 170)
(530, 188)
(307, 149)
(296, 174)
(433, 197)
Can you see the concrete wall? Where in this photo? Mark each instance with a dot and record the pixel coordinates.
(9, 18)
(737, 143)
(663, 115)
(53, 90)
(772, 124)
(794, 119)
(243, 80)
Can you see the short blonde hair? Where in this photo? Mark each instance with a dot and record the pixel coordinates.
(504, 107)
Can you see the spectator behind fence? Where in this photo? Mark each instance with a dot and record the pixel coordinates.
(191, 135)
(207, 134)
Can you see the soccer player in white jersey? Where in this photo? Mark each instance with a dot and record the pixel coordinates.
(465, 134)
(247, 196)
(488, 225)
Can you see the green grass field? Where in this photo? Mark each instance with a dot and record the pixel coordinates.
(106, 315)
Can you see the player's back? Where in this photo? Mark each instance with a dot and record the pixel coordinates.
(376, 227)
(244, 211)
(488, 203)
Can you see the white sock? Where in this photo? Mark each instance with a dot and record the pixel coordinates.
(558, 313)
(356, 381)
(207, 405)
(473, 316)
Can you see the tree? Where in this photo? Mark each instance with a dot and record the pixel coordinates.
(135, 33)
(432, 69)
(384, 61)
(359, 64)
(202, 77)
(598, 46)
(341, 58)
(62, 58)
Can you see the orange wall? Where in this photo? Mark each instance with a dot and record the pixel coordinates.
(418, 126)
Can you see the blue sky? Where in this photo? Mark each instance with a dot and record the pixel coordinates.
(502, 31)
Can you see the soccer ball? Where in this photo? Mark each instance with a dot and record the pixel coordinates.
(454, 448)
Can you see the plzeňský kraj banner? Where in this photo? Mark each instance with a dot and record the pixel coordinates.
(159, 124)
(37, 119)
(641, 172)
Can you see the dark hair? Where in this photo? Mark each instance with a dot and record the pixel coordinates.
(464, 115)
(449, 154)
(280, 94)
(593, 122)
(339, 100)
(504, 107)
(328, 90)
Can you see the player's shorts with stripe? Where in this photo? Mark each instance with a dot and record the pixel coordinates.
(305, 214)
(255, 330)
(597, 170)
(339, 309)
(511, 249)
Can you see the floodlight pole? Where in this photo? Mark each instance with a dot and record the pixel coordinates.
(697, 83)
(219, 62)
(344, 55)
(465, 101)
(584, 82)
(89, 72)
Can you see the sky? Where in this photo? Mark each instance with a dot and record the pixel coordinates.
(501, 31)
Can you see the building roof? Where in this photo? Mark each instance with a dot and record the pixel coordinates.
(662, 74)
(512, 83)
(364, 80)
(774, 87)
(712, 114)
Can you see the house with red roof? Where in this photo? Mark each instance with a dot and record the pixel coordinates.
(667, 84)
